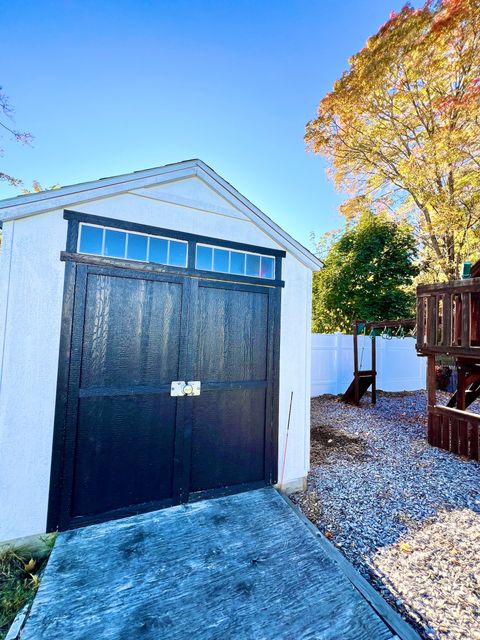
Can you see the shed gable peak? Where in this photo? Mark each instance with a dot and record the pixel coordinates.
(73, 195)
(193, 192)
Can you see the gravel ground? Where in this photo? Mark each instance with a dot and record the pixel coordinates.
(406, 514)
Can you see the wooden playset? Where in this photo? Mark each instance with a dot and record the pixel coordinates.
(448, 323)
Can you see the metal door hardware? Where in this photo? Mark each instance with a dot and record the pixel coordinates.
(182, 388)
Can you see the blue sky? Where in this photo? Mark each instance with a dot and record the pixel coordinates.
(120, 85)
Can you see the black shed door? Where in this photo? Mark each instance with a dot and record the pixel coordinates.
(230, 417)
(127, 445)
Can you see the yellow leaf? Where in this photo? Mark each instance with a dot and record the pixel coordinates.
(405, 547)
(30, 566)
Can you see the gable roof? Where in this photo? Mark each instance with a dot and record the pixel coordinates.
(34, 203)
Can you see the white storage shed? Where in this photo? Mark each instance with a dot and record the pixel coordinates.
(155, 344)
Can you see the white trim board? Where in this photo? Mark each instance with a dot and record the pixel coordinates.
(35, 203)
(171, 198)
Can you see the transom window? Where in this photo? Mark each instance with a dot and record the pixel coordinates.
(115, 243)
(98, 240)
(242, 263)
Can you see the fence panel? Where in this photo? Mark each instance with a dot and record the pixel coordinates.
(454, 430)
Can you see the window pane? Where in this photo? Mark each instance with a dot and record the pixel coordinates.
(267, 267)
(237, 263)
(137, 247)
(158, 250)
(204, 258)
(115, 243)
(91, 240)
(220, 260)
(178, 254)
(253, 265)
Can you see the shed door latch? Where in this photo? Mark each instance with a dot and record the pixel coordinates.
(182, 388)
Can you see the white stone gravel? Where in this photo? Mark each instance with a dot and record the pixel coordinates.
(406, 514)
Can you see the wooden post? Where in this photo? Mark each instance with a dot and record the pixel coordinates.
(374, 368)
(461, 387)
(431, 382)
(355, 363)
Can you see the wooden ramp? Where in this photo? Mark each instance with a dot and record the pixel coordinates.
(243, 566)
(365, 380)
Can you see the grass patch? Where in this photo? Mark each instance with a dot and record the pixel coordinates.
(20, 571)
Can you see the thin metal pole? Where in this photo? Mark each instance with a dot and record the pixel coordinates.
(355, 363)
(374, 369)
(286, 439)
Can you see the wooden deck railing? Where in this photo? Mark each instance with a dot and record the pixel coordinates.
(448, 318)
(454, 430)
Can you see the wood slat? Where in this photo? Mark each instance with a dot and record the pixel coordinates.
(445, 433)
(454, 444)
(431, 381)
(447, 320)
(420, 336)
(449, 287)
(437, 436)
(472, 352)
(431, 428)
(432, 320)
(451, 412)
(463, 431)
(474, 442)
(465, 320)
(406, 323)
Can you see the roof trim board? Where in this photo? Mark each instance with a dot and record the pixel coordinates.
(32, 204)
(180, 201)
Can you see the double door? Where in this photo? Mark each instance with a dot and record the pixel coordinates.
(129, 443)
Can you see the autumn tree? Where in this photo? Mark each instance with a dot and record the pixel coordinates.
(401, 129)
(367, 275)
(8, 129)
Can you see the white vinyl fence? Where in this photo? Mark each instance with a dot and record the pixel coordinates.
(398, 366)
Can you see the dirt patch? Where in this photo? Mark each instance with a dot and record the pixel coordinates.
(328, 443)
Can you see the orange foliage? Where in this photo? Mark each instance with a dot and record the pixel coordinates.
(401, 127)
